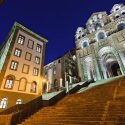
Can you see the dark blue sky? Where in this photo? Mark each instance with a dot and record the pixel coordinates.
(56, 20)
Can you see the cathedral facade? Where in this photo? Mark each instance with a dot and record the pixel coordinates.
(100, 47)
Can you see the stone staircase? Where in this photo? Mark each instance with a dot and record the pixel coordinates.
(101, 105)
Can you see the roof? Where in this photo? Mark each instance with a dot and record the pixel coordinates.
(16, 24)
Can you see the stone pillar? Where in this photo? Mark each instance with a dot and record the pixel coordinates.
(61, 82)
(122, 58)
(47, 87)
(70, 79)
(103, 68)
(67, 86)
(120, 63)
(97, 70)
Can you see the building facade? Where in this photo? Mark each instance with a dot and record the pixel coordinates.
(61, 71)
(100, 47)
(21, 64)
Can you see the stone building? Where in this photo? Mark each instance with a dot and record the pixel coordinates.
(60, 71)
(21, 63)
(100, 46)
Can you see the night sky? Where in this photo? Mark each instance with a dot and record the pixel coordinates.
(56, 20)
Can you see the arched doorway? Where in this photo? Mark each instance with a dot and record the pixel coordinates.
(115, 69)
(109, 65)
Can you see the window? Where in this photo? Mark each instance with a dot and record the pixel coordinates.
(9, 82)
(38, 48)
(28, 56)
(14, 65)
(121, 26)
(85, 44)
(98, 26)
(123, 13)
(21, 39)
(35, 71)
(117, 16)
(18, 101)
(3, 103)
(37, 60)
(30, 44)
(25, 69)
(17, 52)
(101, 36)
(59, 61)
(33, 87)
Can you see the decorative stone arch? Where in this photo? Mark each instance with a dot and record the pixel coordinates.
(89, 72)
(121, 25)
(84, 43)
(98, 26)
(117, 15)
(101, 34)
(123, 12)
(22, 84)
(116, 7)
(79, 33)
(108, 56)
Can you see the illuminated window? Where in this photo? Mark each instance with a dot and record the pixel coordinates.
(37, 60)
(3, 103)
(17, 52)
(19, 101)
(33, 87)
(35, 71)
(38, 48)
(9, 82)
(14, 65)
(21, 39)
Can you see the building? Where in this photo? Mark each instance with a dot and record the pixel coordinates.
(21, 64)
(100, 46)
(60, 71)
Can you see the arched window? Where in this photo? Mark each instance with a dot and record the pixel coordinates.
(33, 87)
(3, 103)
(9, 82)
(121, 26)
(18, 101)
(98, 26)
(117, 16)
(101, 36)
(123, 13)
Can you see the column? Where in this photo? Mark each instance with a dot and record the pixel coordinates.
(61, 84)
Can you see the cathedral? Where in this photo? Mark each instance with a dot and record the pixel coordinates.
(100, 46)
